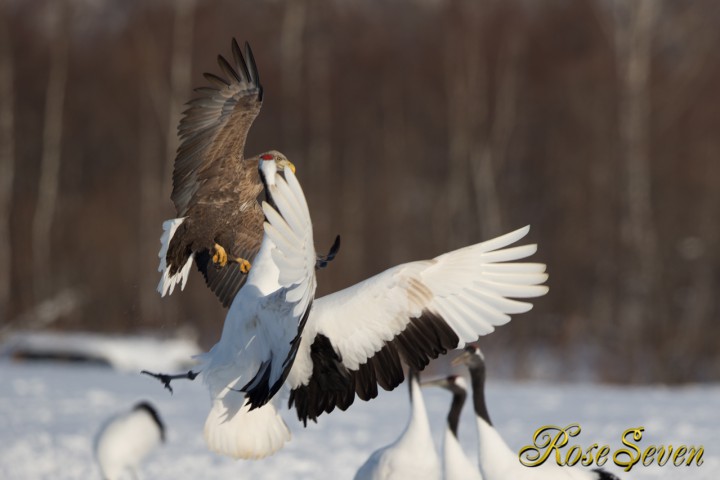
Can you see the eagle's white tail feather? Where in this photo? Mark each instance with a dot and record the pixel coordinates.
(168, 282)
(249, 434)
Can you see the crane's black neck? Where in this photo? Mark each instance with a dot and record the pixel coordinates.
(459, 396)
(154, 415)
(477, 377)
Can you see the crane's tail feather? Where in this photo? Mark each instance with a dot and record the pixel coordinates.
(167, 281)
(248, 434)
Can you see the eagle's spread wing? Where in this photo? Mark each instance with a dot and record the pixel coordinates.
(214, 128)
(358, 338)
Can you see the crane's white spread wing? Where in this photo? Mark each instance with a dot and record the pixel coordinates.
(262, 331)
(290, 230)
(281, 316)
(358, 338)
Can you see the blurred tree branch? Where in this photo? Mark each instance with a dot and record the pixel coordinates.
(180, 75)
(292, 51)
(634, 22)
(49, 182)
(7, 160)
(492, 143)
(460, 88)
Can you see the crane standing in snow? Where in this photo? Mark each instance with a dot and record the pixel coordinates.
(413, 454)
(497, 460)
(456, 465)
(126, 439)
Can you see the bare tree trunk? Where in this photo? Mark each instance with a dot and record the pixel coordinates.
(633, 34)
(604, 226)
(320, 115)
(490, 152)
(395, 152)
(479, 167)
(149, 149)
(151, 168)
(152, 74)
(354, 215)
(701, 299)
(7, 162)
(695, 29)
(51, 151)
(291, 51)
(180, 76)
(319, 148)
(450, 218)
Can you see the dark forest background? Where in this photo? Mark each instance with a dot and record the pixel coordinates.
(417, 127)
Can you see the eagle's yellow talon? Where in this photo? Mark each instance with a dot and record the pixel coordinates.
(220, 257)
(244, 265)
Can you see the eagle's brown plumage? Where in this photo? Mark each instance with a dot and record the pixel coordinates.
(215, 188)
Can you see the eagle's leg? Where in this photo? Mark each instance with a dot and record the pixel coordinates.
(220, 257)
(244, 264)
(166, 379)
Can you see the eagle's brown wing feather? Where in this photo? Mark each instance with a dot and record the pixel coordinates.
(213, 131)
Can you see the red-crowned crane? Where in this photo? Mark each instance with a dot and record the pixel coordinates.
(497, 460)
(413, 454)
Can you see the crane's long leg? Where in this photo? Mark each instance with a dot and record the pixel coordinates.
(323, 260)
(166, 379)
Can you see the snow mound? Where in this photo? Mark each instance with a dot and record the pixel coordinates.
(124, 353)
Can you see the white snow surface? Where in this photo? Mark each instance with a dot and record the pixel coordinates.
(50, 412)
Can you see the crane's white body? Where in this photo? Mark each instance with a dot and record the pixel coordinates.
(456, 465)
(260, 327)
(413, 455)
(124, 441)
(496, 459)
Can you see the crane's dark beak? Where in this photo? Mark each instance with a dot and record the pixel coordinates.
(461, 359)
(440, 382)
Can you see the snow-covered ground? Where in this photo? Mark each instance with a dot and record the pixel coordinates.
(49, 413)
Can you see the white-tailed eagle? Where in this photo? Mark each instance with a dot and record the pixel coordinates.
(215, 188)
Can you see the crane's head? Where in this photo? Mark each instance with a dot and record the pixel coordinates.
(276, 159)
(455, 383)
(471, 356)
